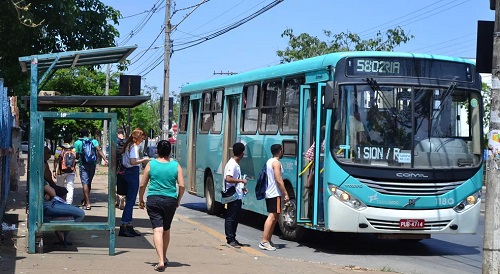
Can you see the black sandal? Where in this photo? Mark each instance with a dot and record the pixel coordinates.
(159, 268)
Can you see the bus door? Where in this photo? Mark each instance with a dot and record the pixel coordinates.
(310, 190)
(230, 126)
(304, 199)
(192, 134)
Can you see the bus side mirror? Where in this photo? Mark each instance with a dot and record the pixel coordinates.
(331, 96)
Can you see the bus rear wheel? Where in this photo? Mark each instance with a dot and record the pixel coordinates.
(288, 222)
(213, 207)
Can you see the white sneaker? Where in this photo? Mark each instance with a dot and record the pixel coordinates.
(266, 246)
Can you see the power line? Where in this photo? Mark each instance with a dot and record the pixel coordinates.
(158, 60)
(141, 24)
(220, 28)
(193, 6)
(426, 15)
(158, 36)
(232, 26)
(387, 23)
(445, 42)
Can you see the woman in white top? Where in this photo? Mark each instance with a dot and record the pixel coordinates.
(132, 163)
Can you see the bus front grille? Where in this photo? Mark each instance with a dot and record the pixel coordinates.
(394, 225)
(411, 189)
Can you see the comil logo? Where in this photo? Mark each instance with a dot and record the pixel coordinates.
(411, 175)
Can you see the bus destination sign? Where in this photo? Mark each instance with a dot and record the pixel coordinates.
(408, 67)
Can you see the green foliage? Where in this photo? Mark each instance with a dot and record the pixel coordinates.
(79, 81)
(50, 26)
(147, 115)
(306, 46)
(486, 92)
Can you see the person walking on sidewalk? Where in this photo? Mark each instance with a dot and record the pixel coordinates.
(275, 189)
(86, 153)
(64, 166)
(163, 175)
(232, 177)
(132, 163)
(121, 187)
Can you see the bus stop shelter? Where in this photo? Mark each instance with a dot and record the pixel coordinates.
(42, 68)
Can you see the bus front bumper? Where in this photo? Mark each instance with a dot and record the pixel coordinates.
(342, 218)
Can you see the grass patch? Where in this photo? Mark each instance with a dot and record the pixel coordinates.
(387, 269)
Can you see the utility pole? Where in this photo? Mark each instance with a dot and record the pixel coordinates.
(491, 244)
(166, 73)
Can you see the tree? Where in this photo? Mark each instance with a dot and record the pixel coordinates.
(50, 26)
(80, 81)
(306, 46)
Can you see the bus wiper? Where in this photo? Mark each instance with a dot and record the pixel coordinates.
(373, 84)
(376, 88)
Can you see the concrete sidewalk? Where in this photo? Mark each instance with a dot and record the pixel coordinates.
(194, 248)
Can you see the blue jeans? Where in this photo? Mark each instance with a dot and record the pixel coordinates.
(131, 179)
(55, 208)
(233, 213)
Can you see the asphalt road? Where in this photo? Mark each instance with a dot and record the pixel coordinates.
(440, 254)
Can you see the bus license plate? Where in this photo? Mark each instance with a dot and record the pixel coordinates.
(411, 223)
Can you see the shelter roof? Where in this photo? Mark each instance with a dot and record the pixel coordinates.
(110, 101)
(69, 59)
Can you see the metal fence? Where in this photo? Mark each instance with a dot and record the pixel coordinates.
(6, 121)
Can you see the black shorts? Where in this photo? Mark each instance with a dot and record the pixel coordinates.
(161, 210)
(273, 205)
(121, 186)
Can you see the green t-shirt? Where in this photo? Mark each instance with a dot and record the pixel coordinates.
(163, 178)
(78, 146)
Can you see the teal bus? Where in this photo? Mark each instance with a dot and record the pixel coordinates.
(401, 139)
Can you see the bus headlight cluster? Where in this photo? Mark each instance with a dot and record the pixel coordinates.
(468, 202)
(346, 198)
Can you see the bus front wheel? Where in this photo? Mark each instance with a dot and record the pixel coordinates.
(288, 223)
(213, 207)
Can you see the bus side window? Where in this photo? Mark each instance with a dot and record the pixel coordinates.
(206, 115)
(250, 111)
(271, 105)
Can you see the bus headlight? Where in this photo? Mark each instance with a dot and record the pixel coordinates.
(346, 198)
(468, 202)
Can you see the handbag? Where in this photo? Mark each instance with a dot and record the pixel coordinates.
(230, 195)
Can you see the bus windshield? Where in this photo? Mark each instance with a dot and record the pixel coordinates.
(407, 126)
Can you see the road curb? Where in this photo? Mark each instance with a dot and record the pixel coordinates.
(219, 236)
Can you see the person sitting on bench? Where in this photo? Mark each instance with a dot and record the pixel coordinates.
(55, 207)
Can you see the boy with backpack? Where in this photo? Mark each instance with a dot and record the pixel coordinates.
(86, 153)
(274, 191)
(232, 177)
(64, 166)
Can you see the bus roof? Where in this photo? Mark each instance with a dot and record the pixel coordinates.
(303, 66)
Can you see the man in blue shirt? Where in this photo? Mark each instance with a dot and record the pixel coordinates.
(87, 168)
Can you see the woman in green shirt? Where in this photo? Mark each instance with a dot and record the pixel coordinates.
(163, 175)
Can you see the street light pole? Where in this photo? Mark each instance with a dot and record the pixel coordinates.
(166, 73)
(491, 243)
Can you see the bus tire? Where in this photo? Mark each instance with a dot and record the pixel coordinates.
(287, 222)
(213, 207)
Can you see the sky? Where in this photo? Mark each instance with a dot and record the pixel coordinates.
(447, 27)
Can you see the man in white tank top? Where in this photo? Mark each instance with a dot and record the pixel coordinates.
(275, 189)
